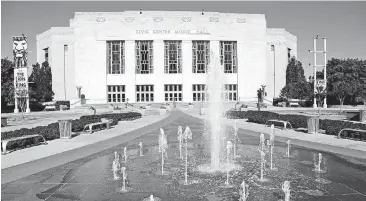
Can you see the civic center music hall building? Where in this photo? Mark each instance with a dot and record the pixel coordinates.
(161, 56)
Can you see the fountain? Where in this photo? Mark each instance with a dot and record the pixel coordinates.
(236, 139)
(286, 190)
(140, 144)
(180, 138)
(116, 166)
(215, 90)
(124, 187)
(271, 145)
(262, 151)
(244, 191)
(163, 145)
(186, 135)
(151, 198)
(288, 149)
(317, 166)
(125, 154)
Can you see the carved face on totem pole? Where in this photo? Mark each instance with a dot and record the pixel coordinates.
(20, 47)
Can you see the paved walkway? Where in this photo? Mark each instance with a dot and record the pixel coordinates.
(62, 145)
(322, 142)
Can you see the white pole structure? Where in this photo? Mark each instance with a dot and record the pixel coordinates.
(325, 69)
(315, 104)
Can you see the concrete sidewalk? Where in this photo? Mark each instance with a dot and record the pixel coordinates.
(328, 143)
(61, 145)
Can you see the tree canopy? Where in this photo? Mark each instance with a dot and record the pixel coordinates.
(41, 88)
(296, 85)
(7, 81)
(344, 78)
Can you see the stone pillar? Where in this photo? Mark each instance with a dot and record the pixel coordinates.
(130, 71)
(16, 110)
(159, 71)
(187, 71)
(28, 109)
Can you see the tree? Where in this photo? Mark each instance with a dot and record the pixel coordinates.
(294, 71)
(41, 89)
(296, 85)
(344, 78)
(7, 82)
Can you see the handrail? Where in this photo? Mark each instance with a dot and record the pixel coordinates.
(349, 129)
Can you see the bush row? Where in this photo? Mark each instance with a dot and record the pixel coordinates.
(331, 127)
(51, 131)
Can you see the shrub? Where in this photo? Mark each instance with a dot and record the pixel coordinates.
(331, 127)
(51, 131)
(58, 103)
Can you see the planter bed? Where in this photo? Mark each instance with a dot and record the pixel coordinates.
(51, 131)
(331, 127)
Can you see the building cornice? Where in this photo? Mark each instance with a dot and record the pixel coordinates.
(55, 31)
(281, 32)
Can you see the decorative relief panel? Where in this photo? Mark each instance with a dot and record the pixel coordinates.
(100, 19)
(158, 19)
(214, 19)
(129, 19)
(186, 19)
(241, 20)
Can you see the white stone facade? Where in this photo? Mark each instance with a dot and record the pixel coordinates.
(84, 64)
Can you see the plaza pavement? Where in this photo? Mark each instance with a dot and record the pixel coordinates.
(323, 142)
(24, 162)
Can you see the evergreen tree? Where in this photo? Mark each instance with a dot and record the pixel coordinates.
(7, 82)
(41, 88)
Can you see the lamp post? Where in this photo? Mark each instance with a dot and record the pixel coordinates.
(274, 70)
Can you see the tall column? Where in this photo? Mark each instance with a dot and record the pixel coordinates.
(130, 70)
(325, 70)
(28, 109)
(187, 70)
(159, 71)
(16, 110)
(315, 104)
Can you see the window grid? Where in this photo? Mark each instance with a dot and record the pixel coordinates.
(199, 92)
(228, 54)
(46, 54)
(115, 57)
(230, 92)
(200, 56)
(173, 92)
(173, 57)
(144, 57)
(144, 93)
(116, 93)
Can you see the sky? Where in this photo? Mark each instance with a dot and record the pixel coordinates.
(343, 23)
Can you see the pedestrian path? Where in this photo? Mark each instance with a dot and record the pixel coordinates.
(61, 145)
(328, 143)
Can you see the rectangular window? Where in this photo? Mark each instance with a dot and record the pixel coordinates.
(173, 92)
(200, 56)
(115, 57)
(199, 92)
(288, 55)
(228, 53)
(144, 93)
(173, 57)
(116, 93)
(144, 57)
(230, 92)
(46, 54)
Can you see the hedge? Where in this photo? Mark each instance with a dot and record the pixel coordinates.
(51, 131)
(331, 127)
